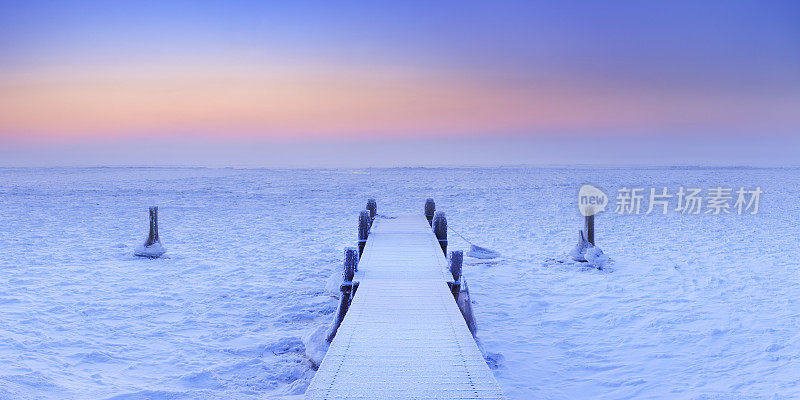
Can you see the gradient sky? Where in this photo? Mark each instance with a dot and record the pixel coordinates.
(115, 72)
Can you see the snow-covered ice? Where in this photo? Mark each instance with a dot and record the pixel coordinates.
(481, 252)
(154, 250)
(695, 306)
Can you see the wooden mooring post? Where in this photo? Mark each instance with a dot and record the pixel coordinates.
(588, 229)
(364, 223)
(348, 289)
(152, 247)
(372, 207)
(454, 265)
(460, 290)
(430, 209)
(152, 237)
(440, 229)
(585, 239)
(465, 306)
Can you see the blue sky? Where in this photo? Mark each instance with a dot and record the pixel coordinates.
(107, 73)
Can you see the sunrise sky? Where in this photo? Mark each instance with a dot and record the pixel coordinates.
(85, 82)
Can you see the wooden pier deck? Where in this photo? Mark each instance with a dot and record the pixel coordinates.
(403, 336)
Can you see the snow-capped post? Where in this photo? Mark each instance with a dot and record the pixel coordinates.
(465, 305)
(372, 207)
(152, 247)
(350, 263)
(348, 289)
(456, 258)
(430, 208)
(440, 229)
(364, 222)
(588, 229)
(586, 250)
(459, 288)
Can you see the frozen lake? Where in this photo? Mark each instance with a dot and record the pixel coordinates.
(693, 307)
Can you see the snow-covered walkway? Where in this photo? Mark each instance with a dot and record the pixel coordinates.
(403, 336)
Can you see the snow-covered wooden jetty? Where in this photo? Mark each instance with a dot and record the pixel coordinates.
(403, 335)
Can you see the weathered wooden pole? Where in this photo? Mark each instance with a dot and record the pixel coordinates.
(455, 260)
(348, 289)
(440, 229)
(364, 223)
(372, 207)
(465, 305)
(350, 263)
(585, 239)
(460, 290)
(152, 237)
(152, 247)
(588, 229)
(430, 208)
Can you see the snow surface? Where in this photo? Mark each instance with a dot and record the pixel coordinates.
(693, 306)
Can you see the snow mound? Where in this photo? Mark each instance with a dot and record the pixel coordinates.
(595, 257)
(316, 344)
(481, 252)
(578, 252)
(589, 253)
(333, 284)
(154, 250)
